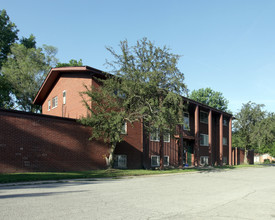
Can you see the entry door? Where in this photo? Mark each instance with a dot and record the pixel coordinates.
(189, 155)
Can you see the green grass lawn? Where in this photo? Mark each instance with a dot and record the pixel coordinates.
(113, 173)
(36, 176)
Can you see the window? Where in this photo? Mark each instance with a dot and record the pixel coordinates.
(166, 137)
(64, 97)
(204, 117)
(224, 141)
(155, 161)
(49, 105)
(54, 102)
(204, 140)
(154, 136)
(204, 160)
(120, 161)
(186, 121)
(124, 128)
(224, 160)
(166, 161)
(225, 122)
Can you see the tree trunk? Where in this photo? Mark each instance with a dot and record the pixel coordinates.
(161, 152)
(110, 159)
(245, 155)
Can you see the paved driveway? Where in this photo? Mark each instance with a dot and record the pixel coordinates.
(247, 193)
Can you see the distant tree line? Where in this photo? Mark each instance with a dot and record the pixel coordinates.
(254, 129)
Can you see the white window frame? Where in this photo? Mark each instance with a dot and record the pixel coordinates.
(54, 102)
(124, 128)
(166, 137)
(166, 164)
(49, 105)
(64, 93)
(120, 161)
(154, 135)
(158, 161)
(202, 118)
(155, 165)
(205, 161)
(204, 140)
(224, 141)
(186, 121)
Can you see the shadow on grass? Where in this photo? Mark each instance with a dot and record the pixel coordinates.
(104, 175)
(56, 176)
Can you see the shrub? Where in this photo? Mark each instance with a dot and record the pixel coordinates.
(266, 161)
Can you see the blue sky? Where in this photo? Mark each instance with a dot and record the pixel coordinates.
(228, 45)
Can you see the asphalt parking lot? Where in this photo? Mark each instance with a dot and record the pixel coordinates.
(247, 193)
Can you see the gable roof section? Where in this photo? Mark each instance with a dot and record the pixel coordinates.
(55, 73)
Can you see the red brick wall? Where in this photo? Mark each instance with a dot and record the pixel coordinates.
(73, 83)
(169, 148)
(132, 146)
(241, 156)
(33, 142)
(226, 135)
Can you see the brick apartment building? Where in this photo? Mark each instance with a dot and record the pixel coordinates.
(206, 133)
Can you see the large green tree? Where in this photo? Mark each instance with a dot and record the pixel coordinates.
(22, 66)
(25, 70)
(146, 87)
(246, 125)
(263, 135)
(5, 93)
(272, 149)
(8, 35)
(28, 42)
(211, 98)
